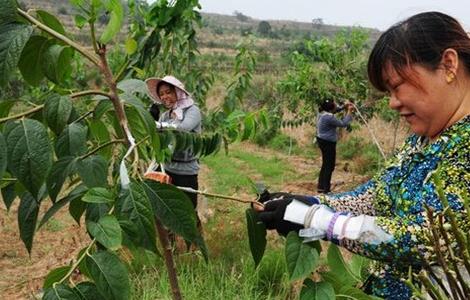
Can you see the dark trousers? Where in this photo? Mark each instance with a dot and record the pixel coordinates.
(186, 181)
(328, 154)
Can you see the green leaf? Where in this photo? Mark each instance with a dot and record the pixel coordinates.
(333, 279)
(350, 292)
(57, 63)
(8, 11)
(13, 38)
(72, 141)
(29, 153)
(99, 133)
(357, 265)
(82, 266)
(101, 108)
(27, 218)
(256, 235)
(106, 231)
(3, 155)
(114, 7)
(301, 258)
(95, 211)
(30, 63)
(93, 171)
(173, 208)
(76, 209)
(60, 292)
(57, 110)
(317, 291)
(132, 86)
(50, 21)
(54, 276)
(9, 195)
(61, 169)
(98, 195)
(80, 21)
(134, 206)
(87, 291)
(77, 193)
(339, 267)
(5, 107)
(131, 46)
(110, 275)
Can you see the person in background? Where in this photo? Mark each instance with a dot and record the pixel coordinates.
(423, 63)
(327, 137)
(182, 114)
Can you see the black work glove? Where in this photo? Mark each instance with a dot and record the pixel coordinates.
(155, 111)
(274, 208)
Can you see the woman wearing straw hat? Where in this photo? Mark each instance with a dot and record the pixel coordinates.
(182, 114)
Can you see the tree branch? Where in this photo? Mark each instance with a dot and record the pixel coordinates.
(101, 147)
(92, 57)
(40, 107)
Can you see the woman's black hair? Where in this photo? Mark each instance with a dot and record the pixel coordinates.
(328, 106)
(420, 39)
(157, 88)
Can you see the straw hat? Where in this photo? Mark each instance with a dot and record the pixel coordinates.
(153, 82)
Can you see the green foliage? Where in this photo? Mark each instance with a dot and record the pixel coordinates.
(13, 38)
(57, 111)
(329, 69)
(8, 12)
(3, 156)
(106, 231)
(57, 63)
(51, 21)
(54, 276)
(174, 209)
(256, 235)
(115, 9)
(365, 157)
(27, 217)
(264, 28)
(109, 274)
(31, 63)
(82, 159)
(29, 153)
(134, 210)
(301, 258)
(317, 290)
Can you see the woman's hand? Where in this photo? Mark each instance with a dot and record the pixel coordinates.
(275, 204)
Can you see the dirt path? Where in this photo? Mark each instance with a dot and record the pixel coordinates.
(55, 245)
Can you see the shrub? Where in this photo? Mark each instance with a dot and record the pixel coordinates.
(282, 142)
(369, 161)
(350, 148)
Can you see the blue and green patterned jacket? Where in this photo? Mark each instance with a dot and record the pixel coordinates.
(397, 196)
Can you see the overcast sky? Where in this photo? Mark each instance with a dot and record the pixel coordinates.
(367, 13)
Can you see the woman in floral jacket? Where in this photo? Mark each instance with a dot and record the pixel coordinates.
(424, 65)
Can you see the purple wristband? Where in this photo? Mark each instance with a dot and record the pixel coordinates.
(331, 225)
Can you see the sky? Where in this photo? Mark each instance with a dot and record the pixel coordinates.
(366, 13)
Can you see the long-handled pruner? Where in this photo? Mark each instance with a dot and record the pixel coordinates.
(162, 177)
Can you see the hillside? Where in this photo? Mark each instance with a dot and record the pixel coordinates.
(219, 33)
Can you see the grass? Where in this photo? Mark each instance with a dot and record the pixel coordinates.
(216, 279)
(234, 173)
